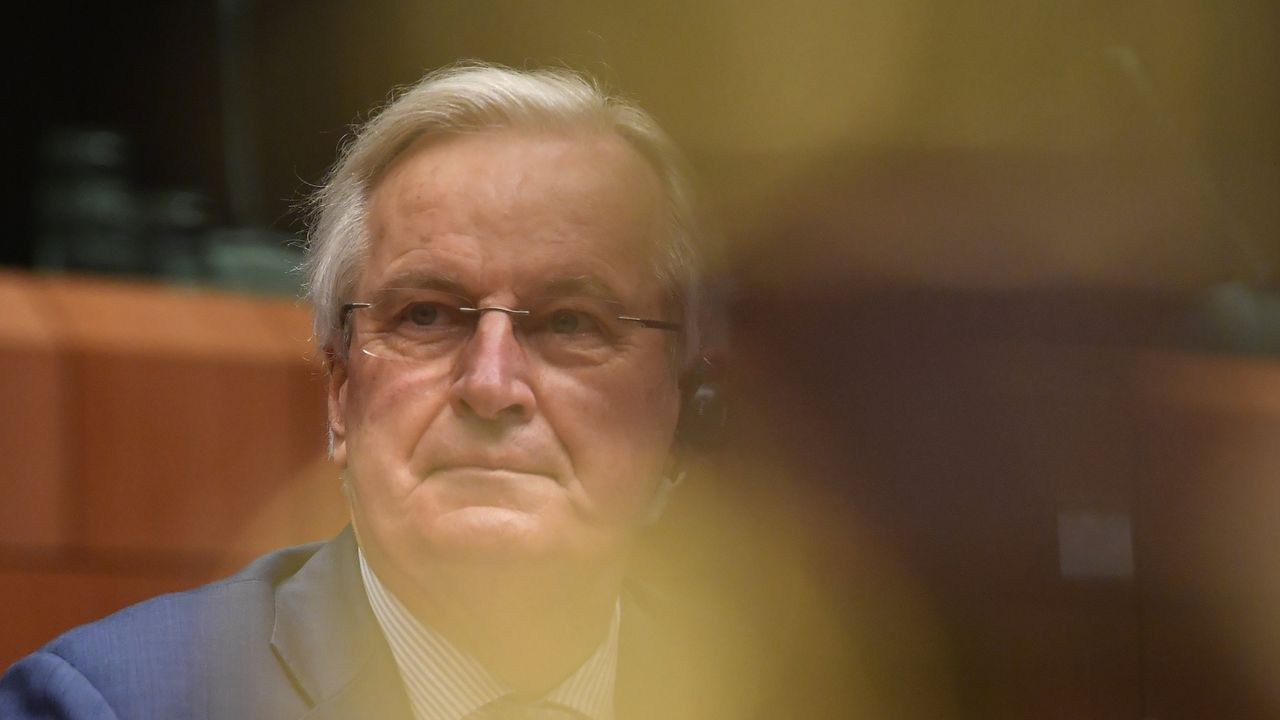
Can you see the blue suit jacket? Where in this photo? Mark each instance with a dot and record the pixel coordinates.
(290, 636)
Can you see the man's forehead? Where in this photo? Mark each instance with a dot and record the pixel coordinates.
(515, 160)
(515, 170)
(458, 213)
(564, 282)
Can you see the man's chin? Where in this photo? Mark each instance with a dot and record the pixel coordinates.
(490, 532)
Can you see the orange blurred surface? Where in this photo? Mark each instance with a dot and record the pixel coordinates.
(155, 438)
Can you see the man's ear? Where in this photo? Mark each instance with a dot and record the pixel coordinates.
(337, 401)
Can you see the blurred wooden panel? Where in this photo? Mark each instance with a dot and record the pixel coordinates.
(309, 504)
(192, 412)
(33, 426)
(112, 318)
(156, 439)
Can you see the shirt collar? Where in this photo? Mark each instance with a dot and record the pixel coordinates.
(445, 683)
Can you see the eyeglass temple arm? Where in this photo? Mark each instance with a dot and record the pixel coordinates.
(655, 324)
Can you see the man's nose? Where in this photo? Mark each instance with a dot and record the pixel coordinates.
(493, 373)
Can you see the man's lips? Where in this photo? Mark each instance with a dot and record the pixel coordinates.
(492, 468)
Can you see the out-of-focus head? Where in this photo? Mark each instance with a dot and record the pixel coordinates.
(475, 97)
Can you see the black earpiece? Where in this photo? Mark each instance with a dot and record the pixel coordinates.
(703, 411)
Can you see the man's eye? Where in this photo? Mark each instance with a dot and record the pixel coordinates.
(576, 322)
(424, 314)
(568, 322)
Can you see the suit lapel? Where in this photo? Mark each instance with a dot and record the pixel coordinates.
(654, 671)
(375, 691)
(327, 636)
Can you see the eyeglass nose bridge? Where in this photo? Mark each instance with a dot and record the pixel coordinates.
(516, 315)
(479, 311)
(476, 313)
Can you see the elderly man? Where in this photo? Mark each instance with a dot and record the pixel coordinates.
(503, 266)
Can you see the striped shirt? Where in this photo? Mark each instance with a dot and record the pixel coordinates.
(446, 683)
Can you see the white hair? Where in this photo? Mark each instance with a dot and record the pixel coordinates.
(476, 97)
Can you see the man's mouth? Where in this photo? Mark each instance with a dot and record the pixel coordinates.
(488, 468)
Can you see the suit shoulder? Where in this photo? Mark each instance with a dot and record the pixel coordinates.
(170, 646)
(167, 618)
(44, 685)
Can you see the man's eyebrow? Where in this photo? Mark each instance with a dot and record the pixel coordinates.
(576, 285)
(419, 278)
(581, 285)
